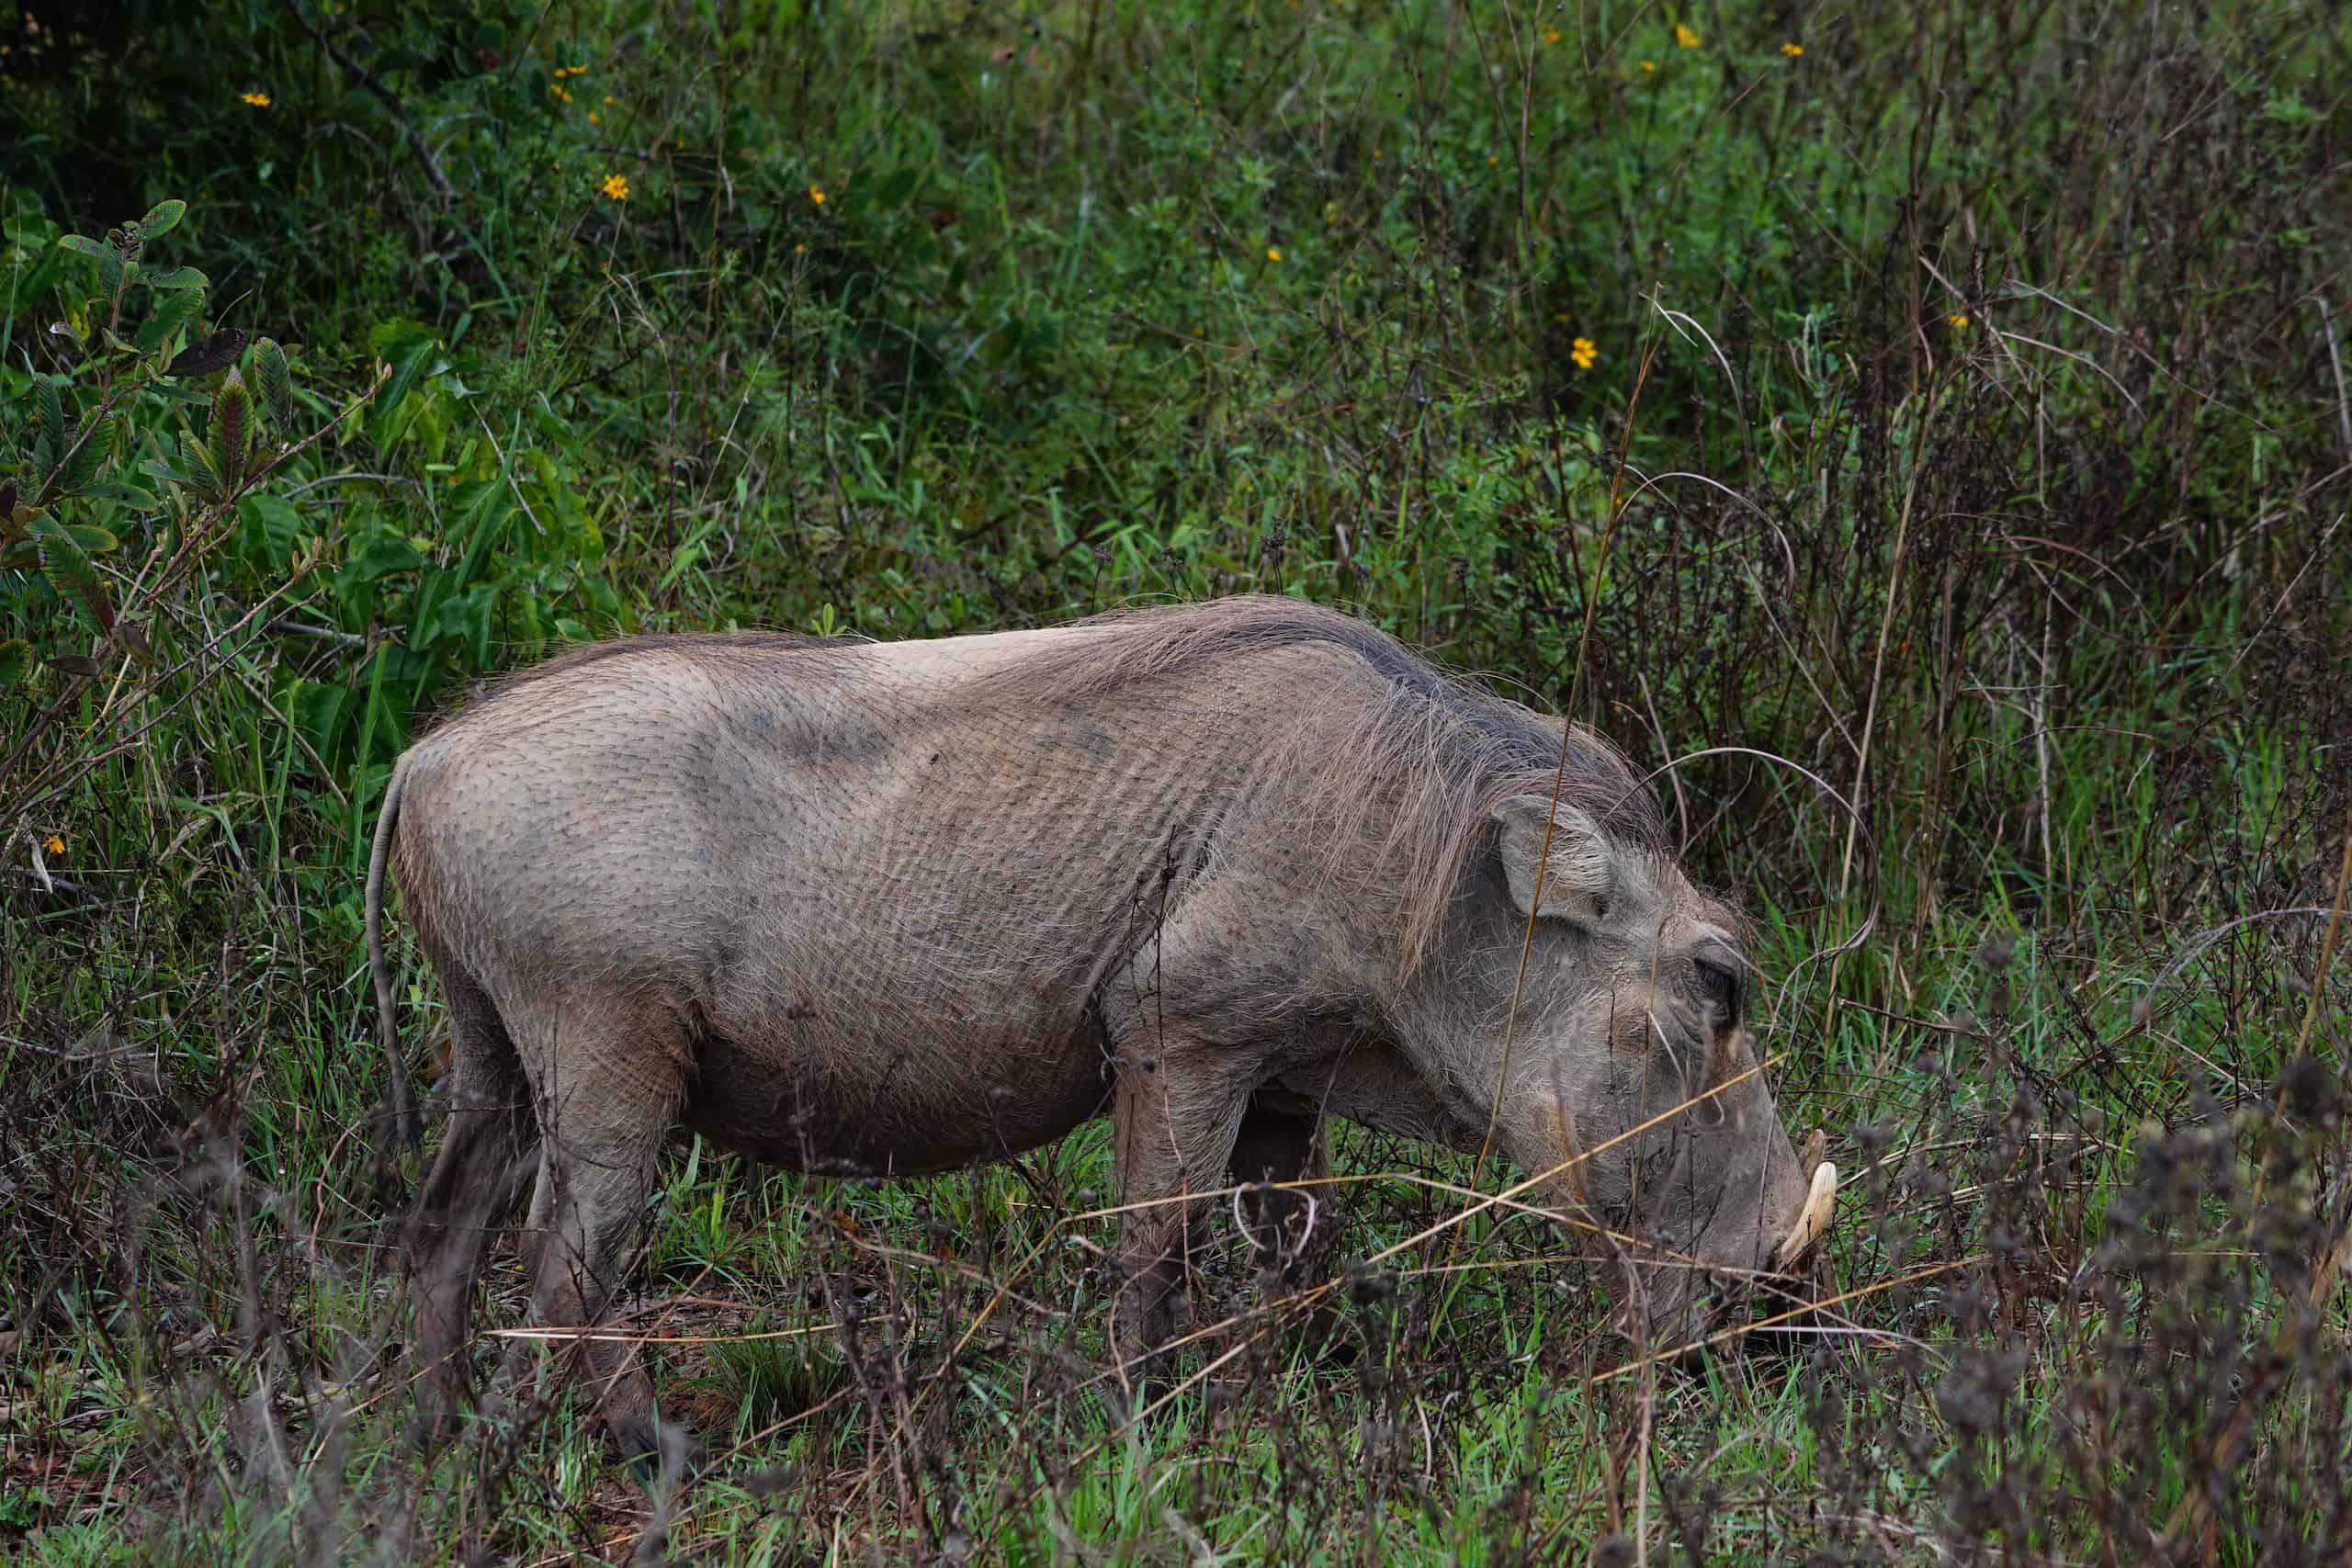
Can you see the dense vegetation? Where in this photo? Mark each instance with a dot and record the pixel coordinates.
(1921, 432)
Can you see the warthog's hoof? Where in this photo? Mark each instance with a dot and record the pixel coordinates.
(661, 1452)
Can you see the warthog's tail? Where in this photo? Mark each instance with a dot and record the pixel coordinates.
(398, 1125)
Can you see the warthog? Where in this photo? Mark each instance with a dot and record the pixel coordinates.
(1221, 870)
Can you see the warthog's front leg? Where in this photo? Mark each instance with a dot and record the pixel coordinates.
(1174, 1121)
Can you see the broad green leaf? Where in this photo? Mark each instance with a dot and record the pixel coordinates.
(93, 539)
(52, 418)
(320, 711)
(376, 555)
(531, 637)
(30, 229)
(202, 471)
(170, 316)
(277, 381)
(162, 218)
(465, 618)
(82, 244)
(178, 278)
(50, 267)
(96, 446)
(128, 494)
(268, 531)
(407, 347)
(75, 580)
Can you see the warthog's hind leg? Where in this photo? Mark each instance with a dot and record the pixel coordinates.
(486, 1158)
(609, 1079)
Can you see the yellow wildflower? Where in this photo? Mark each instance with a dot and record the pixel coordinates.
(608, 100)
(258, 100)
(817, 195)
(1272, 253)
(53, 845)
(1793, 50)
(1685, 37)
(572, 71)
(1958, 318)
(799, 250)
(1551, 35)
(594, 118)
(561, 93)
(616, 186)
(1584, 353)
(1649, 64)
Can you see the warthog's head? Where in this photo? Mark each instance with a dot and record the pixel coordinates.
(1629, 1072)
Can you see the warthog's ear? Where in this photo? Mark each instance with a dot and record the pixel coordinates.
(1583, 877)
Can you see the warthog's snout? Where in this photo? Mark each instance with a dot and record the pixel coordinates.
(1745, 1271)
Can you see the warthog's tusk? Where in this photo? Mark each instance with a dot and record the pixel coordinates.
(1812, 1225)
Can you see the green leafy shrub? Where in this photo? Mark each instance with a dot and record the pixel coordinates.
(173, 507)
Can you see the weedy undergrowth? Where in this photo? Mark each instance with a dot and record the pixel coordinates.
(1921, 436)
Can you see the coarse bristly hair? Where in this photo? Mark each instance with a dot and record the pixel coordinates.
(1433, 754)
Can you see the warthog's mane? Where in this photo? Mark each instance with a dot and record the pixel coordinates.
(1413, 774)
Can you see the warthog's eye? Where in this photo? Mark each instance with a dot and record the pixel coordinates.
(1724, 985)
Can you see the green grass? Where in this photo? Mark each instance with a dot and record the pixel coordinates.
(1964, 426)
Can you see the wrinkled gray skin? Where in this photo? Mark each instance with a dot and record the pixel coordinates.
(865, 906)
